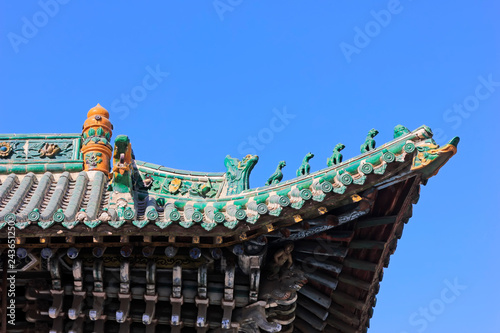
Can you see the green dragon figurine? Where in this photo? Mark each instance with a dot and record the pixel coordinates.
(336, 157)
(277, 176)
(305, 167)
(369, 143)
(238, 173)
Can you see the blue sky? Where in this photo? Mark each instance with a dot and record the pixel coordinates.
(191, 83)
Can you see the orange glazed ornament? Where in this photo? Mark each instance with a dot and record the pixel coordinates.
(96, 147)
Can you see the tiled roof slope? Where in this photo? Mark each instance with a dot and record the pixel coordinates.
(84, 202)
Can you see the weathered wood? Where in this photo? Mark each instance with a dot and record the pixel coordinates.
(304, 327)
(57, 325)
(307, 316)
(379, 270)
(396, 197)
(323, 279)
(336, 236)
(228, 302)
(344, 278)
(77, 326)
(99, 324)
(339, 312)
(125, 326)
(346, 299)
(331, 329)
(341, 326)
(367, 244)
(311, 262)
(56, 291)
(315, 308)
(124, 296)
(150, 296)
(320, 221)
(176, 299)
(321, 248)
(78, 293)
(316, 296)
(375, 221)
(360, 264)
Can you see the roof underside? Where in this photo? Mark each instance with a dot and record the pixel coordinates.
(343, 261)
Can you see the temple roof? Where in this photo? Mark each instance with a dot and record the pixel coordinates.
(61, 193)
(46, 195)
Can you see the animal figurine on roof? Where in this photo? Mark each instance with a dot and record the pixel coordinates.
(369, 143)
(336, 157)
(277, 176)
(305, 167)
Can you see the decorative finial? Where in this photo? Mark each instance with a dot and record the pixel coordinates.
(238, 173)
(96, 147)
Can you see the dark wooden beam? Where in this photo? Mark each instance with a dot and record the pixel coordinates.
(341, 326)
(321, 248)
(311, 262)
(315, 308)
(347, 279)
(304, 327)
(316, 296)
(312, 320)
(367, 244)
(336, 236)
(375, 221)
(346, 299)
(340, 313)
(323, 279)
(331, 329)
(359, 264)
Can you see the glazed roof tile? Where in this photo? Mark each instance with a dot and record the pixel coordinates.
(81, 201)
(55, 186)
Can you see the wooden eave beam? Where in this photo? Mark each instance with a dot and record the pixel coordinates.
(346, 299)
(367, 245)
(376, 221)
(341, 326)
(340, 313)
(360, 264)
(414, 185)
(350, 280)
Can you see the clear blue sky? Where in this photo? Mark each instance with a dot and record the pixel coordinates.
(190, 83)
